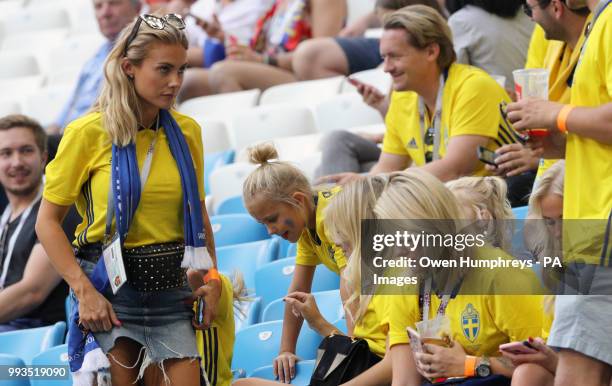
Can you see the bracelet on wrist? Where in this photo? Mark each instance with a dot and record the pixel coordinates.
(212, 274)
(469, 366)
(562, 118)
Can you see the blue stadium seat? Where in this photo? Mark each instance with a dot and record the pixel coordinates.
(283, 247)
(246, 258)
(263, 340)
(213, 161)
(328, 302)
(252, 313)
(280, 273)
(231, 229)
(292, 250)
(520, 213)
(56, 356)
(12, 361)
(231, 205)
(27, 343)
(340, 324)
(303, 372)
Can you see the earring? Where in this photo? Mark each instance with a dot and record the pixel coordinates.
(130, 77)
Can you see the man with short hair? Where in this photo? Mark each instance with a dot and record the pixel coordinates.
(32, 294)
(440, 111)
(112, 17)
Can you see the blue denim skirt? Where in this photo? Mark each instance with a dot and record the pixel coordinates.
(159, 320)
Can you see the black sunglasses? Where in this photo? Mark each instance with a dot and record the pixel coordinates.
(429, 141)
(528, 9)
(155, 22)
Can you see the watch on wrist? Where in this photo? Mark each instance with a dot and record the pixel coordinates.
(483, 369)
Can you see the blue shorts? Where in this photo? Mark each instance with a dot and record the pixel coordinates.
(361, 53)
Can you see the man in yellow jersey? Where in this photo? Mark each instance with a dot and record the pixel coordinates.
(440, 111)
(563, 31)
(583, 135)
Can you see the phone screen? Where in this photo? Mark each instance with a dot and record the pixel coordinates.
(487, 156)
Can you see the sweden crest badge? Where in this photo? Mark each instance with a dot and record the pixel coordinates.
(470, 323)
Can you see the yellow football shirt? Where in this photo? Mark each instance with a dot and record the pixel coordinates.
(81, 169)
(480, 323)
(470, 106)
(588, 166)
(537, 48)
(371, 327)
(216, 345)
(314, 249)
(561, 61)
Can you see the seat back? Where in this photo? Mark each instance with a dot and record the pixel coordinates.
(229, 229)
(328, 302)
(345, 111)
(213, 161)
(246, 258)
(303, 373)
(305, 93)
(264, 340)
(12, 361)
(55, 356)
(280, 273)
(27, 343)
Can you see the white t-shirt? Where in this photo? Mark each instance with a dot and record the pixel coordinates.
(495, 44)
(237, 18)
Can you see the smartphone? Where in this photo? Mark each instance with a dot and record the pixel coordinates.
(487, 156)
(200, 311)
(518, 348)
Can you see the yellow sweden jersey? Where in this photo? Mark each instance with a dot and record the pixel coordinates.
(537, 48)
(216, 345)
(588, 166)
(371, 327)
(316, 249)
(470, 106)
(561, 61)
(480, 323)
(80, 173)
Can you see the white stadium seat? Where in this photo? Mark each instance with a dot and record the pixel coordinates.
(215, 134)
(46, 104)
(375, 77)
(345, 111)
(35, 19)
(271, 122)
(18, 65)
(220, 105)
(226, 181)
(73, 51)
(289, 148)
(307, 93)
(9, 107)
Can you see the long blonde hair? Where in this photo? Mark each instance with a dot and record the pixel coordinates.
(273, 180)
(118, 101)
(343, 215)
(489, 193)
(417, 195)
(551, 182)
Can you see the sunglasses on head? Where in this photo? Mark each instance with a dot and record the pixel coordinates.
(154, 22)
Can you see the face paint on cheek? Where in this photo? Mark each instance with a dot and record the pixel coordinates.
(289, 223)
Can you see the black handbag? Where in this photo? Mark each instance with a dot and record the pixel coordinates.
(341, 358)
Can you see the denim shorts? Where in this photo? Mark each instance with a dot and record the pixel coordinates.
(160, 321)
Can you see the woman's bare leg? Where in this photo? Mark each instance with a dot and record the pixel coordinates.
(125, 353)
(319, 58)
(232, 75)
(530, 374)
(184, 372)
(195, 84)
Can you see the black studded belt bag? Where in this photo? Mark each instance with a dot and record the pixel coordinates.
(154, 267)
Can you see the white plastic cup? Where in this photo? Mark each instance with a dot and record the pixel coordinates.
(531, 82)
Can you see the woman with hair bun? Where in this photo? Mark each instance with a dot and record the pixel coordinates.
(279, 196)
